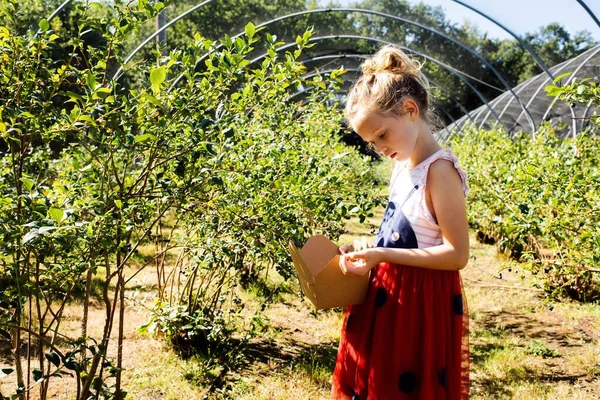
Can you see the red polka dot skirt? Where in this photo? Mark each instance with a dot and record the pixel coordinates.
(408, 340)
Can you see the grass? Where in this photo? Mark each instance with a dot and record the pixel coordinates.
(519, 347)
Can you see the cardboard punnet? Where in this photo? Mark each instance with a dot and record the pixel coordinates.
(321, 278)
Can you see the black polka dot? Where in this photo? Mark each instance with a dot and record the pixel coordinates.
(380, 297)
(442, 377)
(350, 317)
(407, 382)
(457, 304)
(355, 396)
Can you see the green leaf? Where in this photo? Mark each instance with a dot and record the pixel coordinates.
(85, 118)
(143, 138)
(59, 373)
(216, 179)
(38, 375)
(72, 365)
(91, 80)
(239, 44)
(553, 90)
(32, 234)
(45, 229)
(97, 383)
(74, 97)
(158, 76)
(44, 25)
(250, 29)
(56, 214)
(339, 155)
(558, 78)
(151, 99)
(103, 92)
(53, 358)
(229, 132)
(28, 183)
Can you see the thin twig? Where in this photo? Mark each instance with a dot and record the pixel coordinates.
(483, 284)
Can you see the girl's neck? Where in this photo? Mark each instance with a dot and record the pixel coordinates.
(426, 146)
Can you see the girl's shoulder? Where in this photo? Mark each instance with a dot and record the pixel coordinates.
(420, 172)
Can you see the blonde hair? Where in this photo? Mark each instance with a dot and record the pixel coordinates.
(388, 78)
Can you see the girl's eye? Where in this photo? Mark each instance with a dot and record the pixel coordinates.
(383, 135)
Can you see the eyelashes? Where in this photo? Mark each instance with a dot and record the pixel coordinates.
(371, 146)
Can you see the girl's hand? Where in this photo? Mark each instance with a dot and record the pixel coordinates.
(347, 248)
(360, 262)
(358, 245)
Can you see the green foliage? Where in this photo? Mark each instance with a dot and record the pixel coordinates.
(552, 43)
(92, 170)
(584, 91)
(540, 348)
(218, 172)
(539, 200)
(190, 332)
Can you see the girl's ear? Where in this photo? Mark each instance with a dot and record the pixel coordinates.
(411, 108)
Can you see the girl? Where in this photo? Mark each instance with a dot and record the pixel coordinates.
(409, 339)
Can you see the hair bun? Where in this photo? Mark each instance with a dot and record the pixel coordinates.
(388, 78)
(392, 60)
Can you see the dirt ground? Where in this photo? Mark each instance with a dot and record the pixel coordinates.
(522, 347)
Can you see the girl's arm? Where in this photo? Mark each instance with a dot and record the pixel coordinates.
(446, 190)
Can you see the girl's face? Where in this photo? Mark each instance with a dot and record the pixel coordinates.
(389, 135)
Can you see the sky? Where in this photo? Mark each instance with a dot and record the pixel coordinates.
(520, 16)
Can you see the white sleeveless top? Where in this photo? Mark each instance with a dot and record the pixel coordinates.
(407, 189)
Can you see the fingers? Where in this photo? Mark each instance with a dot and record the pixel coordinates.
(356, 270)
(361, 243)
(355, 266)
(343, 264)
(364, 243)
(347, 248)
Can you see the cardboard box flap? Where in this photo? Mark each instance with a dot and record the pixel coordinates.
(318, 252)
(321, 278)
(341, 294)
(306, 279)
(332, 272)
(300, 264)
